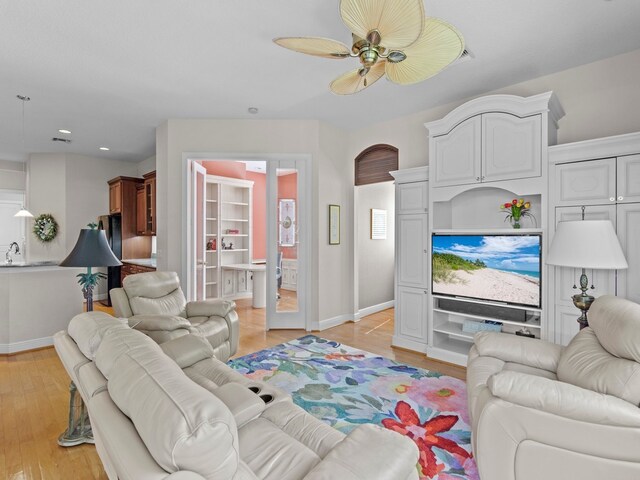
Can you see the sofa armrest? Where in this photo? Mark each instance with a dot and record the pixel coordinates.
(512, 348)
(187, 350)
(563, 399)
(243, 403)
(158, 323)
(209, 308)
(369, 453)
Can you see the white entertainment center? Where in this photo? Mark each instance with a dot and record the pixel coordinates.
(483, 153)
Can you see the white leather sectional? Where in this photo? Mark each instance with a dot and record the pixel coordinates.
(173, 411)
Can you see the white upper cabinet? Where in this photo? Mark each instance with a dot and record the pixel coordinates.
(412, 197)
(628, 179)
(511, 147)
(586, 183)
(628, 226)
(458, 154)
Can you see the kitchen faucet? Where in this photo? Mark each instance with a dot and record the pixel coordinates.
(8, 258)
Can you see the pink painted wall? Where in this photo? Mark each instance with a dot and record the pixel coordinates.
(259, 214)
(233, 169)
(288, 188)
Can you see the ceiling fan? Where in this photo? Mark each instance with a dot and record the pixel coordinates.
(391, 37)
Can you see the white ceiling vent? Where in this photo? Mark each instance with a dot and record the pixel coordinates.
(464, 57)
(63, 140)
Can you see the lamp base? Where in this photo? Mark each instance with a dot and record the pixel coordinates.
(583, 302)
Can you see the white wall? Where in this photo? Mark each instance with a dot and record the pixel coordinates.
(375, 258)
(147, 165)
(12, 175)
(327, 148)
(600, 99)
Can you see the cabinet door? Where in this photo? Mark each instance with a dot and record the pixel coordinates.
(566, 324)
(241, 281)
(511, 147)
(585, 183)
(228, 282)
(412, 250)
(628, 168)
(115, 197)
(140, 210)
(604, 281)
(457, 154)
(411, 313)
(412, 197)
(628, 233)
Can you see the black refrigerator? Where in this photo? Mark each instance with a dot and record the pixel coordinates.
(112, 226)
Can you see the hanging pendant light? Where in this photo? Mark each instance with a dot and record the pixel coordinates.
(23, 212)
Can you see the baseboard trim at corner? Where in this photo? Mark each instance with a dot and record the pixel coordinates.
(335, 321)
(9, 348)
(375, 309)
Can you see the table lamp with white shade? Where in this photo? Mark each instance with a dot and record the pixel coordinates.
(586, 244)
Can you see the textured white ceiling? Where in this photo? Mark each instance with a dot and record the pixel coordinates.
(112, 71)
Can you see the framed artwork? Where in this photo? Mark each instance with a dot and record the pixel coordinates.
(378, 224)
(334, 224)
(287, 221)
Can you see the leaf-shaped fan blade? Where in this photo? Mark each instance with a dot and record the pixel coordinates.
(320, 47)
(399, 22)
(438, 46)
(353, 82)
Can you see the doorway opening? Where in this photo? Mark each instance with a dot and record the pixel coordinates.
(248, 234)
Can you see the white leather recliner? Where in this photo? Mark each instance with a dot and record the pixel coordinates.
(175, 412)
(543, 411)
(153, 303)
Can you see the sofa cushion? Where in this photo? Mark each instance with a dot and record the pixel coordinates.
(616, 323)
(155, 293)
(585, 363)
(118, 342)
(88, 329)
(183, 426)
(187, 350)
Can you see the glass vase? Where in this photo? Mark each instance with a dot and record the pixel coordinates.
(515, 223)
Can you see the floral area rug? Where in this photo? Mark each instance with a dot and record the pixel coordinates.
(345, 387)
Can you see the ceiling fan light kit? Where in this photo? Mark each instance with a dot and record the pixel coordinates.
(392, 37)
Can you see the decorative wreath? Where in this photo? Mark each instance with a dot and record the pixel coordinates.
(45, 227)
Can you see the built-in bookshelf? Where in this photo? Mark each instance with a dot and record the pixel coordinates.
(228, 234)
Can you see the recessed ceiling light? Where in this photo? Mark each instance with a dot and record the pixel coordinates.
(104, 149)
(62, 130)
(252, 110)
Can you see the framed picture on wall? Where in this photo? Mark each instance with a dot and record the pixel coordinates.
(378, 224)
(334, 224)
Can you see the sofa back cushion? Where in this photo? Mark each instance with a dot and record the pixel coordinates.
(616, 323)
(116, 343)
(88, 329)
(155, 293)
(183, 426)
(585, 363)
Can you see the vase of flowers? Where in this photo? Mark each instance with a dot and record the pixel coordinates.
(516, 209)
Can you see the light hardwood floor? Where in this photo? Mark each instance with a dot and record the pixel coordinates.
(34, 394)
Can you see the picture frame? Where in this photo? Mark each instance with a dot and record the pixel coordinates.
(334, 224)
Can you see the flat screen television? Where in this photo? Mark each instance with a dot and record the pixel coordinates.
(496, 268)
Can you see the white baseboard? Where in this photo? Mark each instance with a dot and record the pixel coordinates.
(412, 345)
(100, 296)
(363, 312)
(25, 345)
(335, 321)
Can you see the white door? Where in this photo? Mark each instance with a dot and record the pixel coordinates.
(510, 147)
(628, 233)
(586, 183)
(287, 231)
(412, 250)
(458, 154)
(628, 179)
(198, 244)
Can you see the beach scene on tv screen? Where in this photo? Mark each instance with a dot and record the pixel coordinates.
(502, 268)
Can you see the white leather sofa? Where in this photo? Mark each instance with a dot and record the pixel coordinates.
(154, 304)
(173, 411)
(542, 411)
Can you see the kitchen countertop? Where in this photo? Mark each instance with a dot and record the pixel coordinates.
(142, 262)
